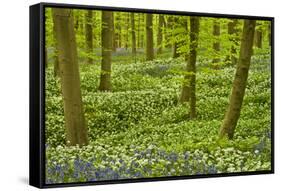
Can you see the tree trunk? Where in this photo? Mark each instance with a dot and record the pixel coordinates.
(258, 37)
(175, 50)
(240, 81)
(175, 41)
(149, 37)
(106, 43)
(184, 97)
(89, 36)
(76, 130)
(169, 25)
(194, 33)
(269, 34)
(216, 44)
(134, 48)
(114, 35)
(160, 34)
(233, 38)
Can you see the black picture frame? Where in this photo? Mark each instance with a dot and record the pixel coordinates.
(37, 94)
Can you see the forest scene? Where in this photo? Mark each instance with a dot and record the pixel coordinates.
(132, 95)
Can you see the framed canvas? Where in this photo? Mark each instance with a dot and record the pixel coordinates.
(122, 95)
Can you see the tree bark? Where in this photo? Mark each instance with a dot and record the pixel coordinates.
(149, 37)
(106, 43)
(160, 33)
(134, 48)
(216, 44)
(76, 130)
(240, 81)
(194, 33)
(89, 35)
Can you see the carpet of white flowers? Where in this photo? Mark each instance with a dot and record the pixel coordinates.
(139, 130)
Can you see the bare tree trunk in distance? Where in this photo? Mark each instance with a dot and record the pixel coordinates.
(184, 96)
(194, 33)
(160, 33)
(76, 129)
(149, 37)
(134, 48)
(258, 37)
(234, 37)
(269, 34)
(89, 35)
(106, 43)
(240, 81)
(216, 44)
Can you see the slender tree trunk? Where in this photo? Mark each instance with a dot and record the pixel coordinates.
(76, 130)
(216, 44)
(89, 36)
(175, 50)
(234, 37)
(240, 81)
(106, 43)
(138, 32)
(56, 59)
(168, 28)
(160, 33)
(269, 34)
(175, 41)
(134, 48)
(258, 37)
(184, 96)
(114, 34)
(194, 33)
(149, 37)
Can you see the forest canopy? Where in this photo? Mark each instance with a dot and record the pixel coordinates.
(141, 95)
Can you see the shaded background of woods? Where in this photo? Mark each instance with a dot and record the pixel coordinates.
(92, 37)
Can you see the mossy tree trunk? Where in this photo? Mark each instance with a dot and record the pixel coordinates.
(149, 37)
(89, 36)
(160, 33)
(216, 43)
(76, 129)
(240, 81)
(194, 34)
(106, 43)
(134, 48)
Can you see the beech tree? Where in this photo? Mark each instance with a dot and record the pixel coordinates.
(149, 37)
(240, 81)
(160, 33)
(89, 35)
(194, 33)
(134, 48)
(76, 128)
(234, 38)
(216, 43)
(106, 43)
(258, 36)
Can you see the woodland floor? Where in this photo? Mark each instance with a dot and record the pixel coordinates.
(140, 130)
